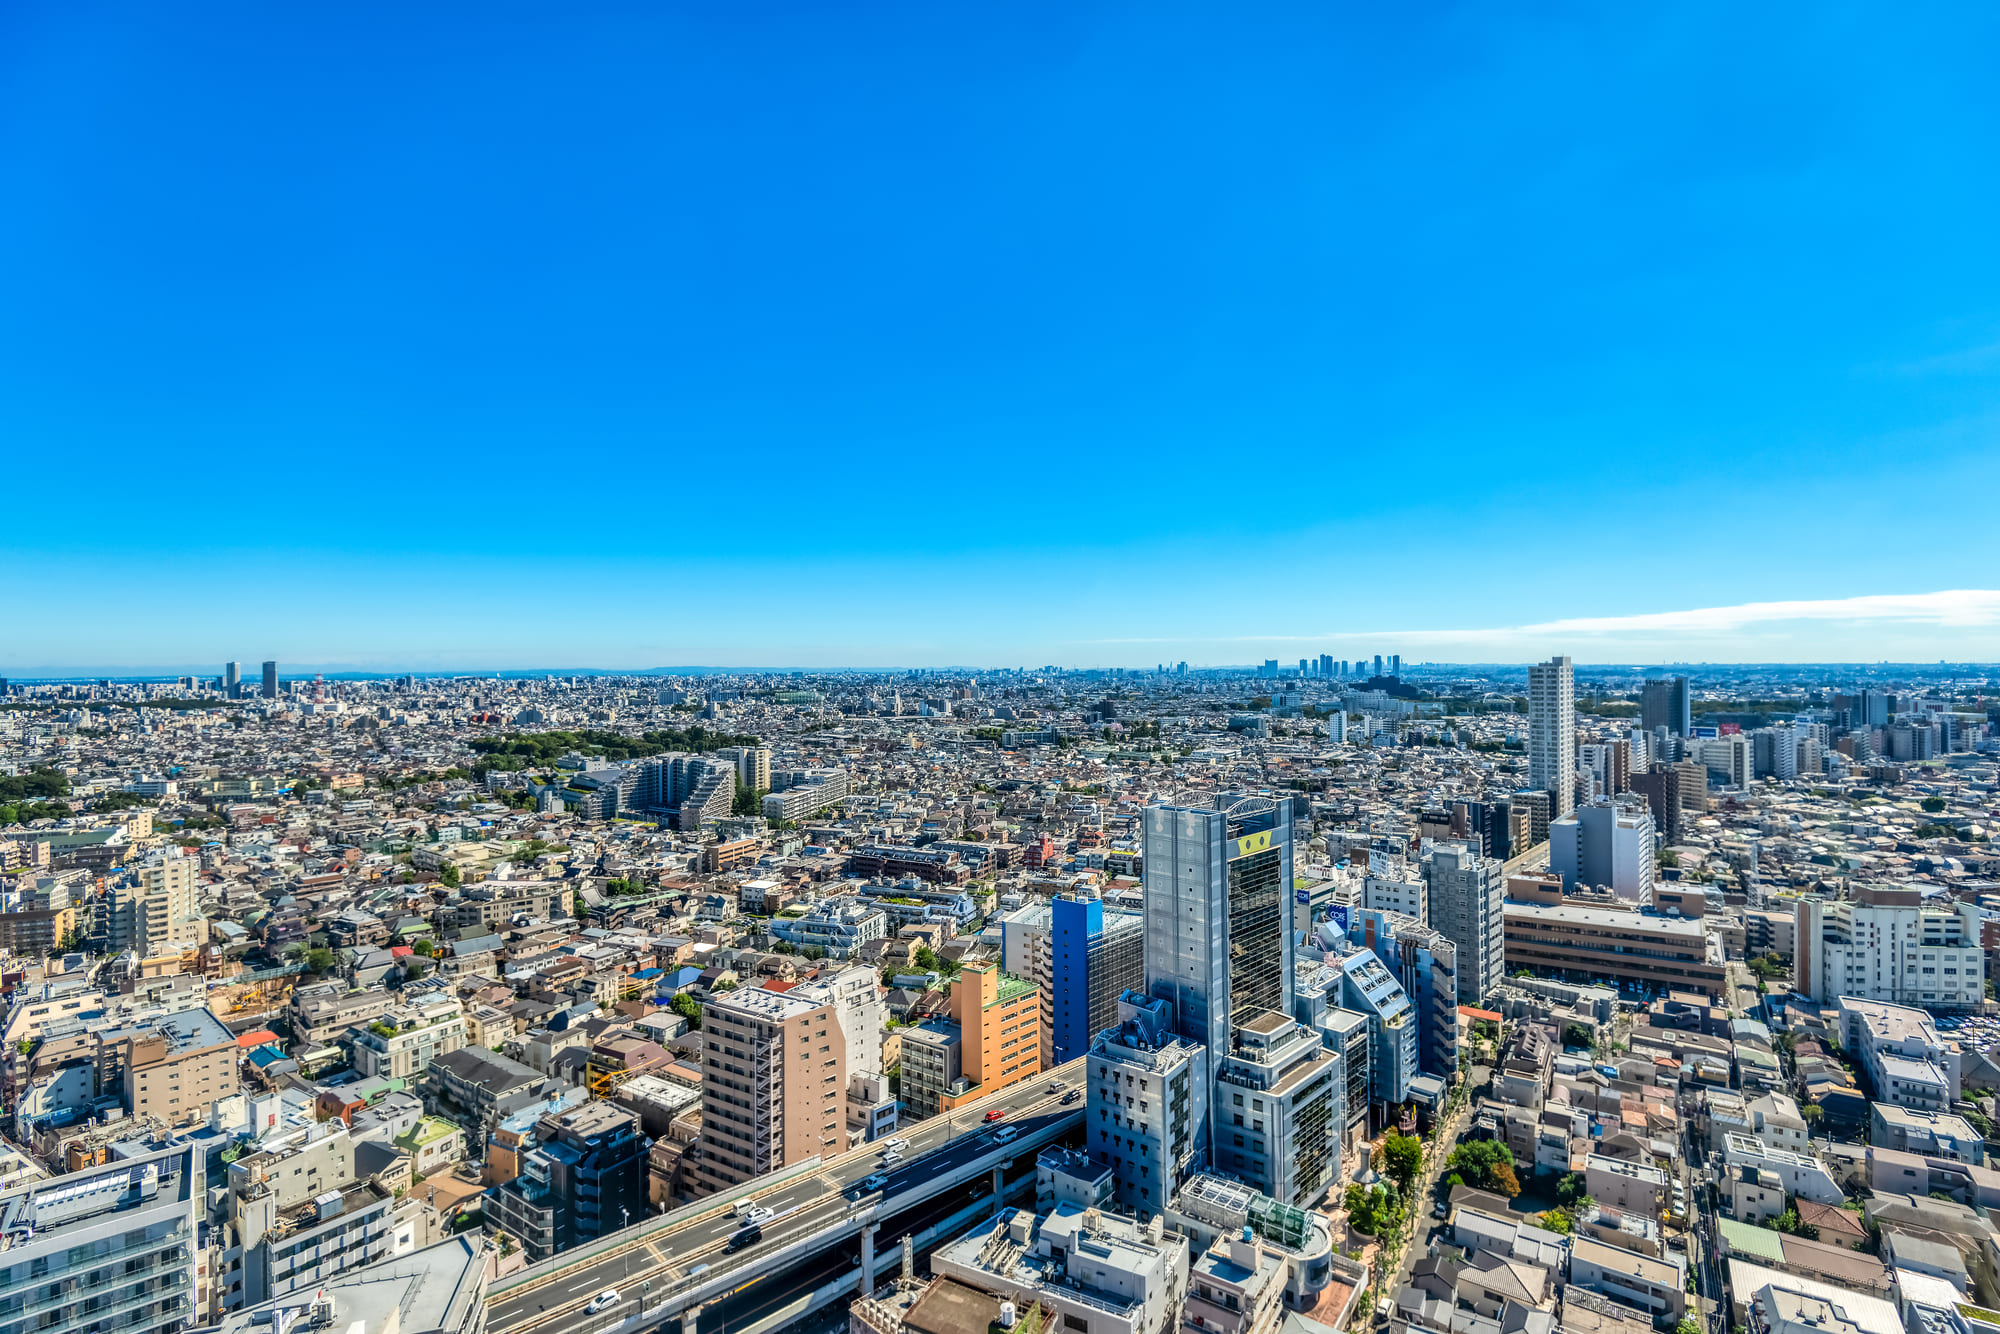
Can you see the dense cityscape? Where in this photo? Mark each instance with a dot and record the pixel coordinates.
(1335, 994)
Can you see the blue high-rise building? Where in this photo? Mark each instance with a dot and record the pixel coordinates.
(1094, 956)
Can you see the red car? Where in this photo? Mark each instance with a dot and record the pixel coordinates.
(995, 1114)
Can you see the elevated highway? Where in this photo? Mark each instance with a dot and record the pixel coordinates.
(827, 1233)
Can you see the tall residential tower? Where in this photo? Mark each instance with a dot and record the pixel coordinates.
(1552, 733)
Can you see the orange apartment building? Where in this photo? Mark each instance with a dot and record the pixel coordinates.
(999, 1020)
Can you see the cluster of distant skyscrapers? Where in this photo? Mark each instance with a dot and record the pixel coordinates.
(233, 686)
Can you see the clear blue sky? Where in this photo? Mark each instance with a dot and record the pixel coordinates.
(626, 335)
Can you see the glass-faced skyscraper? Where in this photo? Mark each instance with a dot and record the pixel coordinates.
(1218, 884)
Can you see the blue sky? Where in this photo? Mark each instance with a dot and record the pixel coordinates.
(629, 335)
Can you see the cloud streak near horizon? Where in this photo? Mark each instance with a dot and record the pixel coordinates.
(1955, 608)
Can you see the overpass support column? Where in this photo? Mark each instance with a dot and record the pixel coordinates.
(691, 1320)
(999, 1178)
(867, 1262)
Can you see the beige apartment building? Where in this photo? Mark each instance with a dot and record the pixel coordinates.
(774, 1083)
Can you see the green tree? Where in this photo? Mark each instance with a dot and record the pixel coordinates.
(1402, 1155)
(1932, 804)
(687, 1008)
(1571, 1191)
(1486, 1164)
(448, 875)
(1688, 1325)
(1557, 1220)
(748, 801)
(1579, 1035)
(319, 959)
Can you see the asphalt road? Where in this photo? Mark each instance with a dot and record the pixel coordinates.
(804, 1205)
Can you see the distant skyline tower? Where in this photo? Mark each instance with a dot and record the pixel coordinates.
(270, 680)
(1378, 664)
(1663, 702)
(232, 679)
(1552, 733)
(1395, 664)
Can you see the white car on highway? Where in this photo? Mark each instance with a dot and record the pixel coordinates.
(603, 1301)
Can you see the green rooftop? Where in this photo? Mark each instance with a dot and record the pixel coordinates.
(1747, 1239)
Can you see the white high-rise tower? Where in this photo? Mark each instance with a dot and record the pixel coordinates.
(1552, 734)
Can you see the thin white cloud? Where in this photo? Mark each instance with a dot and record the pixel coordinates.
(1968, 608)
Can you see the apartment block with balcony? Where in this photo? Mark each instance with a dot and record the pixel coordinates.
(106, 1246)
(584, 1178)
(1899, 1048)
(774, 1084)
(284, 1250)
(402, 1043)
(1888, 944)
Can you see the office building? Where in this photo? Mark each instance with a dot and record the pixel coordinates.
(1425, 962)
(1278, 1109)
(933, 1066)
(1093, 1272)
(1092, 957)
(1147, 1118)
(116, 1240)
(1663, 702)
(1218, 894)
(1888, 944)
(774, 1084)
(1591, 944)
(270, 680)
(1359, 983)
(1552, 733)
(1608, 845)
(1397, 889)
(1466, 894)
(1730, 761)
(1661, 787)
(232, 679)
(1485, 826)
(585, 1178)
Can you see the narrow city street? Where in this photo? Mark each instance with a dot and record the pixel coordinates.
(1423, 1226)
